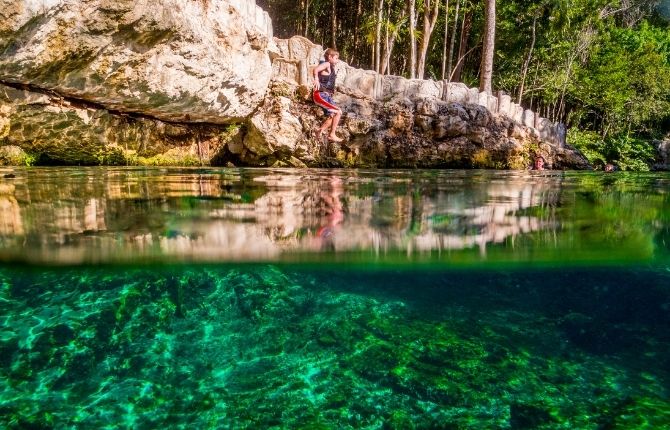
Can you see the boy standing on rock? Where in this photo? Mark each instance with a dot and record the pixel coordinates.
(324, 87)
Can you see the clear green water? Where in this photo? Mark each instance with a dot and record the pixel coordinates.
(203, 298)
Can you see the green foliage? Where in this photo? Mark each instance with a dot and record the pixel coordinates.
(110, 156)
(625, 85)
(30, 159)
(603, 70)
(15, 156)
(628, 153)
(231, 131)
(167, 159)
(589, 143)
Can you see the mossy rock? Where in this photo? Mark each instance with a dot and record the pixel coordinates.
(11, 155)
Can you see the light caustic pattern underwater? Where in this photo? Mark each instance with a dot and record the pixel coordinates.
(204, 298)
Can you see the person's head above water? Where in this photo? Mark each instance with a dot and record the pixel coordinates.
(538, 164)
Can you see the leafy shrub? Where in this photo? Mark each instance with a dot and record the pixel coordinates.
(627, 152)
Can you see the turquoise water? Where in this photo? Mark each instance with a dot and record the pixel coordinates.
(229, 298)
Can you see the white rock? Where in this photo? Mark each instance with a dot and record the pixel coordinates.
(274, 129)
(172, 59)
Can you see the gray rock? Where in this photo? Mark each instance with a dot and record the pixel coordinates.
(49, 129)
(274, 129)
(504, 104)
(528, 118)
(170, 59)
(662, 154)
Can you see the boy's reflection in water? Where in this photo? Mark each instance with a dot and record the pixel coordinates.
(332, 213)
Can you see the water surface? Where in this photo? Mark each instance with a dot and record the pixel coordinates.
(261, 298)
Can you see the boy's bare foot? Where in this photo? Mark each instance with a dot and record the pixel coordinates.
(334, 138)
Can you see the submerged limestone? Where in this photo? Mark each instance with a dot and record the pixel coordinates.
(268, 347)
(204, 82)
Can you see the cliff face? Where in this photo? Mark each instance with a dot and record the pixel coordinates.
(390, 121)
(204, 82)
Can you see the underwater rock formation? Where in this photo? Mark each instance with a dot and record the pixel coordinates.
(204, 83)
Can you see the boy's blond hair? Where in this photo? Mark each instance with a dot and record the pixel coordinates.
(329, 53)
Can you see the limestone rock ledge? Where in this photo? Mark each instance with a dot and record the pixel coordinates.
(390, 121)
(202, 82)
(402, 134)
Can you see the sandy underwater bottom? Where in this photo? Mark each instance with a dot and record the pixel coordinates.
(280, 346)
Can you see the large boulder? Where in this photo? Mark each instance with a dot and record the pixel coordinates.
(174, 60)
(274, 129)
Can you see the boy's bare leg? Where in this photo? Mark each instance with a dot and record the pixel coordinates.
(336, 120)
(325, 126)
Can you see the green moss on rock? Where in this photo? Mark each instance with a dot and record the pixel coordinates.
(11, 155)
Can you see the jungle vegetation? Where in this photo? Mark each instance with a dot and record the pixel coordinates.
(602, 67)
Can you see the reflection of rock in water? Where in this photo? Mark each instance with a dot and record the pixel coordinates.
(11, 223)
(242, 215)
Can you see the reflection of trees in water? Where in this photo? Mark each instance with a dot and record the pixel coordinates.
(427, 215)
(255, 214)
(431, 217)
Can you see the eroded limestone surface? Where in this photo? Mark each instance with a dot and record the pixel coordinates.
(193, 61)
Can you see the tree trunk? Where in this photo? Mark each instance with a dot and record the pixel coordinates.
(463, 45)
(583, 42)
(307, 2)
(333, 24)
(453, 41)
(412, 39)
(443, 71)
(378, 35)
(299, 24)
(486, 69)
(357, 23)
(431, 9)
(526, 63)
(532, 95)
(390, 39)
(385, 48)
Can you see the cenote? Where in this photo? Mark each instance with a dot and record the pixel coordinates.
(334, 299)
